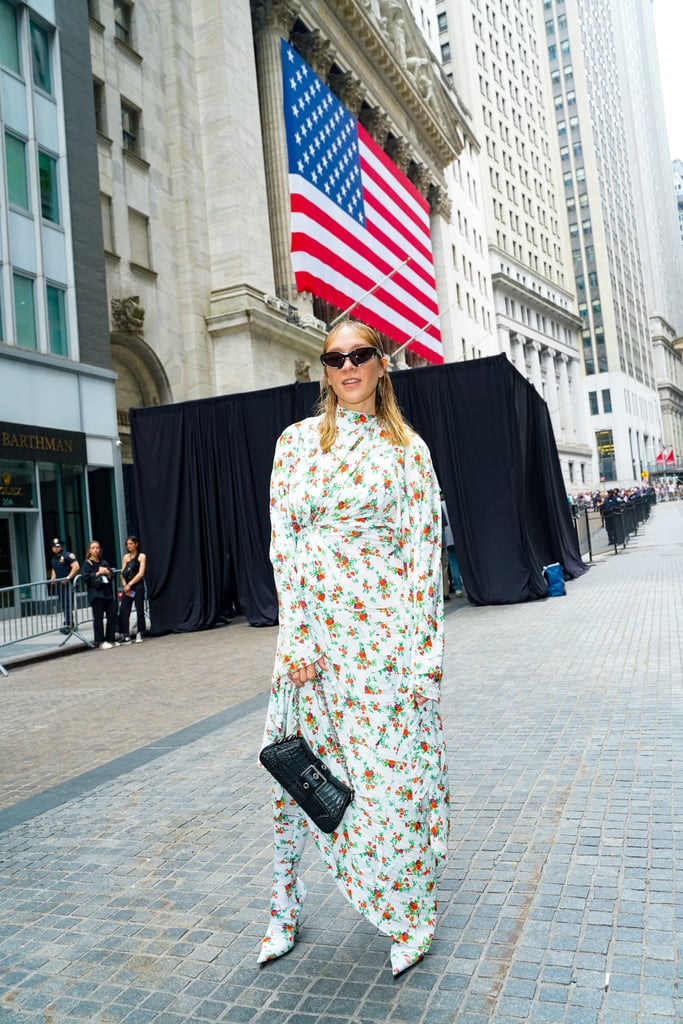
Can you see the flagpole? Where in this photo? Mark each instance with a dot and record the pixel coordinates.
(424, 327)
(368, 293)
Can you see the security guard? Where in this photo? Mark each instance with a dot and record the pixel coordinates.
(64, 567)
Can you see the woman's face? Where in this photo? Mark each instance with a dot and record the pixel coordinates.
(354, 386)
(95, 551)
(131, 546)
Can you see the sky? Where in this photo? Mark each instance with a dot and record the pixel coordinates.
(668, 16)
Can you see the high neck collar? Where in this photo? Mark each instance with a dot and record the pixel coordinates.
(348, 419)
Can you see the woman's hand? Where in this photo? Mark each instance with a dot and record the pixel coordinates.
(306, 673)
(421, 700)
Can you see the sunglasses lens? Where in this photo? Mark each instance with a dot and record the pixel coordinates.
(361, 355)
(336, 360)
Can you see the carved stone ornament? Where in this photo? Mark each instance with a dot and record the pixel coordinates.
(439, 201)
(376, 122)
(301, 371)
(315, 50)
(279, 14)
(420, 177)
(418, 68)
(348, 91)
(373, 8)
(395, 28)
(399, 151)
(128, 315)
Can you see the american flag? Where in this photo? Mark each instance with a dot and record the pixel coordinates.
(355, 217)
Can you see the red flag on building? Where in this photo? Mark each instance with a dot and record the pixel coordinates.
(660, 457)
(355, 217)
(670, 457)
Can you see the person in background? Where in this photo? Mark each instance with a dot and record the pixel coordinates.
(448, 543)
(98, 579)
(64, 567)
(132, 590)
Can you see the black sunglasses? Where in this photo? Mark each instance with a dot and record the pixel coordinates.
(358, 356)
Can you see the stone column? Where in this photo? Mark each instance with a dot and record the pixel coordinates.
(552, 398)
(272, 20)
(535, 360)
(517, 353)
(566, 402)
(440, 207)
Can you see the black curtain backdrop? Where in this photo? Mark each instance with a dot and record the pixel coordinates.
(201, 481)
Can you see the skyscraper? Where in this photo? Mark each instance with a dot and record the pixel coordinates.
(495, 58)
(610, 128)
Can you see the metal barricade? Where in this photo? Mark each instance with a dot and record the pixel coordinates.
(32, 610)
(598, 531)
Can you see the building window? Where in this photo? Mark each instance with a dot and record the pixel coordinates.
(9, 37)
(607, 400)
(24, 311)
(445, 52)
(15, 163)
(130, 127)
(604, 441)
(570, 467)
(40, 58)
(49, 195)
(56, 322)
(107, 223)
(442, 21)
(138, 226)
(593, 402)
(123, 21)
(100, 111)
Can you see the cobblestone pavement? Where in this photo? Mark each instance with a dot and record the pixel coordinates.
(135, 845)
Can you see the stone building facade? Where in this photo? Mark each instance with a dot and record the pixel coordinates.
(194, 186)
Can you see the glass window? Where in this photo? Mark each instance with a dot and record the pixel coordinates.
(15, 162)
(56, 321)
(607, 400)
(9, 37)
(49, 196)
(107, 223)
(24, 311)
(442, 22)
(98, 101)
(40, 58)
(130, 126)
(445, 52)
(123, 21)
(138, 226)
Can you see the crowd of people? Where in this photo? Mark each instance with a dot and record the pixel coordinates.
(600, 501)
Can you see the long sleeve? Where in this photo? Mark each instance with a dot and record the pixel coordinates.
(421, 529)
(296, 645)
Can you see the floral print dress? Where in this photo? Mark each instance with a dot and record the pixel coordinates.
(356, 550)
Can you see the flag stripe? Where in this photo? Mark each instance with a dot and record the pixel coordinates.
(374, 314)
(352, 287)
(339, 232)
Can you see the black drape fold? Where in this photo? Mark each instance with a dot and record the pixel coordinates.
(201, 481)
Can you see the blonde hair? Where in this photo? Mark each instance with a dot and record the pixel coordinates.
(387, 411)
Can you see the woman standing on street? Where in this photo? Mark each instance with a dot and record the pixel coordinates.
(133, 570)
(356, 550)
(98, 579)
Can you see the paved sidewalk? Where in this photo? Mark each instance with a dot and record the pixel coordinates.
(135, 836)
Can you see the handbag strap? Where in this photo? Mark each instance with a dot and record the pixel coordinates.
(333, 729)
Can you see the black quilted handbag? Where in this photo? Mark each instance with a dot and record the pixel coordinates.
(319, 793)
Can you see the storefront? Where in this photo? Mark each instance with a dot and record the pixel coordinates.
(47, 489)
